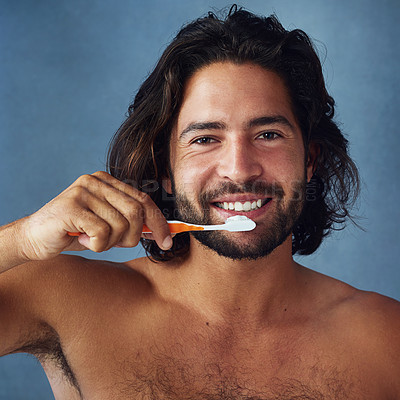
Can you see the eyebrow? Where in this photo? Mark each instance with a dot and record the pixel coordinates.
(270, 120)
(202, 126)
(256, 122)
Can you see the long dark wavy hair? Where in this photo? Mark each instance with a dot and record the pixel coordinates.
(139, 152)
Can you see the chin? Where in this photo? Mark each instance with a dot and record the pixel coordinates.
(238, 249)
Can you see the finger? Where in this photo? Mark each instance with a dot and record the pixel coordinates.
(119, 210)
(132, 212)
(148, 211)
(118, 223)
(91, 226)
(91, 214)
(84, 240)
(156, 222)
(78, 244)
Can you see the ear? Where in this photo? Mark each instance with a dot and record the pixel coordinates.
(166, 184)
(313, 153)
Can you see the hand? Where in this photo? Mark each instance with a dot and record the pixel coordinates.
(105, 210)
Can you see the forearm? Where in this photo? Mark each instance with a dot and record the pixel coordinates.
(106, 211)
(11, 253)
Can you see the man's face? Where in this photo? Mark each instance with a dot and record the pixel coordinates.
(237, 149)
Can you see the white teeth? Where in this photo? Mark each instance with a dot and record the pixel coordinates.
(238, 206)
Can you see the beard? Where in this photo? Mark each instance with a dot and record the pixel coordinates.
(270, 235)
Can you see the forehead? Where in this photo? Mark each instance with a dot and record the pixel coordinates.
(233, 93)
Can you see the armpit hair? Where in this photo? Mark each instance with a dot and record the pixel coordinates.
(47, 348)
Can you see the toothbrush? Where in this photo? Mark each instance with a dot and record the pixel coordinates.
(237, 223)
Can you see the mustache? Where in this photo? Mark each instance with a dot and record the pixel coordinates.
(261, 188)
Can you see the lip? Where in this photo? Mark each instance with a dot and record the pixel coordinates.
(253, 214)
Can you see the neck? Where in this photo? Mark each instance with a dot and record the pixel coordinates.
(225, 290)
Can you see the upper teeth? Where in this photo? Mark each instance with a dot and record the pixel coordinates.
(239, 206)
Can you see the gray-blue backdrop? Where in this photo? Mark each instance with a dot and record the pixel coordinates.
(69, 68)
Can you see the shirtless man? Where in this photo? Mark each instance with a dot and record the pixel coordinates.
(235, 119)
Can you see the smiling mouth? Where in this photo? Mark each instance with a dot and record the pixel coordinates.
(242, 206)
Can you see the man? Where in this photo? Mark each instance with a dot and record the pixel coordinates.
(235, 119)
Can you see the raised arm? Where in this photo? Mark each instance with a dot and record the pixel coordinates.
(105, 211)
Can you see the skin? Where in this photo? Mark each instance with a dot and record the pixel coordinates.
(204, 326)
(226, 157)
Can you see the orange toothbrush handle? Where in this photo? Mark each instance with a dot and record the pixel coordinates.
(177, 227)
(174, 228)
(145, 229)
(74, 233)
(181, 227)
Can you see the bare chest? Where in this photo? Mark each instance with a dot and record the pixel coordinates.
(178, 364)
(168, 377)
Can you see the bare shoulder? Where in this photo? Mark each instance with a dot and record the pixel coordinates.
(379, 315)
(360, 306)
(377, 306)
(364, 328)
(70, 277)
(374, 331)
(374, 316)
(69, 272)
(62, 292)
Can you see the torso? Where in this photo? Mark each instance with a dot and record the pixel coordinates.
(116, 346)
(170, 359)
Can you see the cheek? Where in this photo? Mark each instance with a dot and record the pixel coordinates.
(288, 170)
(183, 168)
(295, 178)
(192, 177)
(286, 166)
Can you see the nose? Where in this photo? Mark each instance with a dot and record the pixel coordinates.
(238, 162)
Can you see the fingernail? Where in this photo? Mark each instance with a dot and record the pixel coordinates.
(167, 243)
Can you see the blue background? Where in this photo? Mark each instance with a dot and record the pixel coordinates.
(68, 70)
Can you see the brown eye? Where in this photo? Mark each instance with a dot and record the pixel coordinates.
(269, 135)
(203, 140)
